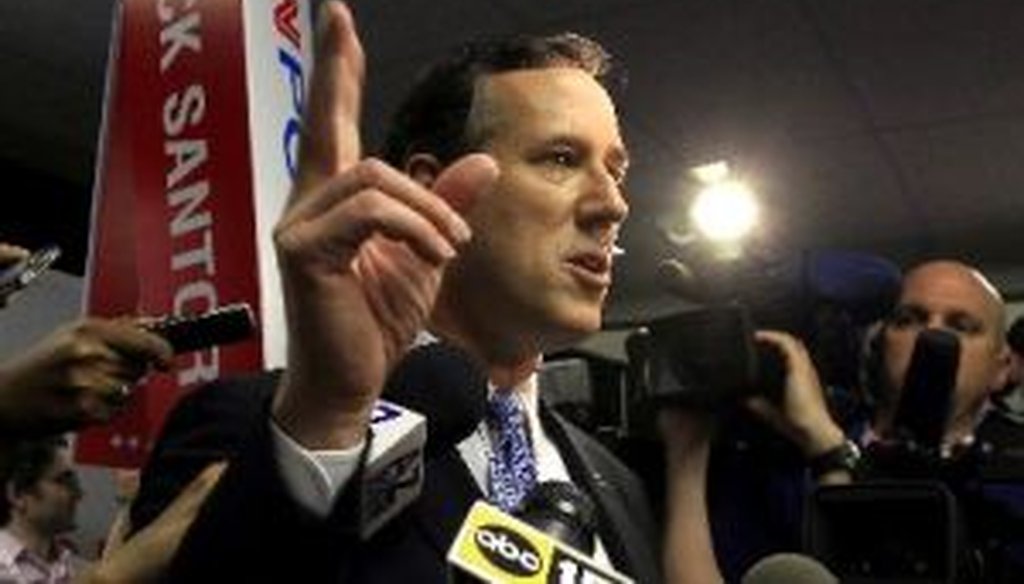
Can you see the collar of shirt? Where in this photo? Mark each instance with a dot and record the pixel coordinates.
(475, 449)
(15, 558)
(10, 548)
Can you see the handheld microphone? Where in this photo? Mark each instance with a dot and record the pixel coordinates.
(867, 286)
(862, 285)
(432, 400)
(926, 398)
(788, 569)
(446, 385)
(393, 473)
(563, 512)
(493, 546)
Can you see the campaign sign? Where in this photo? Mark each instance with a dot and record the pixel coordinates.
(196, 157)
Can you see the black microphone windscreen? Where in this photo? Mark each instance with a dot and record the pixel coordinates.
(860, 284)
(562, 511)
(446, 385)
(926, 398)
(788, 568)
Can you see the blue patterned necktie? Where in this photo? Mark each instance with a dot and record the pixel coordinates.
(512, 470)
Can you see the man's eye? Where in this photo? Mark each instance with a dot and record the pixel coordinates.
(905, 317)
(964, 324)
(562, 157)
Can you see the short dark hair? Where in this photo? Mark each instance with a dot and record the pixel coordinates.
(26, 466)
(434, 116)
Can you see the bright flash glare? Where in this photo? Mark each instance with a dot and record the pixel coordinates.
(712, 172)
(725, 211)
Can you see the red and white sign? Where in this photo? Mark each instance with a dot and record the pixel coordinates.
(200, 134)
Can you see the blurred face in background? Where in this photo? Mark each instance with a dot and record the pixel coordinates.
(50, 505)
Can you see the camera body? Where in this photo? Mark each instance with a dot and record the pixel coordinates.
(703, 357)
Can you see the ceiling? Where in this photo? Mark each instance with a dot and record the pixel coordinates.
(891, 126)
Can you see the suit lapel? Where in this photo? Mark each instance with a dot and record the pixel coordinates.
(626, 545)
(448, 493)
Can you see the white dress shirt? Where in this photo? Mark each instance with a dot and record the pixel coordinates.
(316, 477)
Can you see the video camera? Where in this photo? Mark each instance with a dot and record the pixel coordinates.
(707, 355)
(926, 512)
(702, 357)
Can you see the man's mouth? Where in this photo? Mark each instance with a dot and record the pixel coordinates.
(594, 269)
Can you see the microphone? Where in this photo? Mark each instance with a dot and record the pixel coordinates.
(928, 385)
(788, 568)
(446, 385)
(863, 285)
(563, 512)
(433, 399)
(392, 477)
(493, 546)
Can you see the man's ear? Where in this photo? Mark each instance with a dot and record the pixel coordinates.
(12, 497)
(1003, 368)
(423, 168)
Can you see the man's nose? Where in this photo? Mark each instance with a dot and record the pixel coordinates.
(938, 323)
(606, 198)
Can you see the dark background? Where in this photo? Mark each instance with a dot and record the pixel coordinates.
(891, 126)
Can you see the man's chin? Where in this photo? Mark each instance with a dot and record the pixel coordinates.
(576, 326)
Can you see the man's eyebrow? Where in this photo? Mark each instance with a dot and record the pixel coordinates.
(620, 157)
(968, 317)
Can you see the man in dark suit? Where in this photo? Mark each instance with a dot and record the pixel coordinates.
(491, 227)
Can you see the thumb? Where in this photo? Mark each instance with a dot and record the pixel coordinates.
(464, 180)
(762, 408)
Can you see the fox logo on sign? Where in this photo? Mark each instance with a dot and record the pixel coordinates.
(195, 111)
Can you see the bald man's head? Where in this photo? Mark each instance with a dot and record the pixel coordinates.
(957, 298)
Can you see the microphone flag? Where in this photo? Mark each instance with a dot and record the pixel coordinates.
(493, 546)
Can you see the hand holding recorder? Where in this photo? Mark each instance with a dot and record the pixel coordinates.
(83, 372)
(19, 267)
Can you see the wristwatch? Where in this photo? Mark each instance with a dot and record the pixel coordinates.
(844, 457)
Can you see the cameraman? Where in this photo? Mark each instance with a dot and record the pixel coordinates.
(945, 295)
(1011, 400)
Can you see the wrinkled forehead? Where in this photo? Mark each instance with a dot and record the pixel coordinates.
(950, 287)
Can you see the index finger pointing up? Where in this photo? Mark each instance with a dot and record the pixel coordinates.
(330, 140)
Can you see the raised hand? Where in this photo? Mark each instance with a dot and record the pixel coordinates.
(361, 247)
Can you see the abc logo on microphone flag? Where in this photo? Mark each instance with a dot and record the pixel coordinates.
(196, 156)
(493, 546)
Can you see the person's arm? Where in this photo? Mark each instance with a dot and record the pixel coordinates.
(77, 375)
(689, 555)
(802, 415)
(10, 254)
(145, 556)
(361, 249)
(251, 513)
